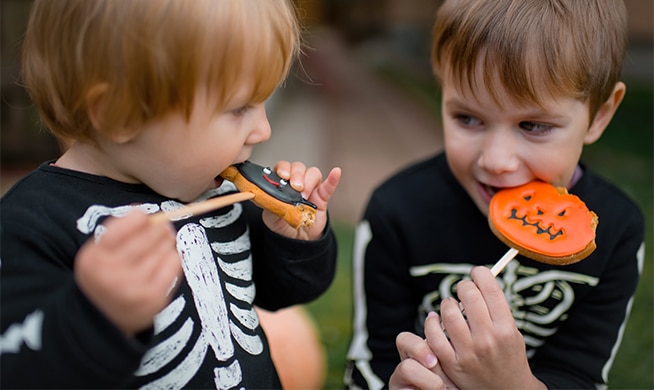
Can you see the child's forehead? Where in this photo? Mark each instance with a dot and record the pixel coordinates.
(487, 80)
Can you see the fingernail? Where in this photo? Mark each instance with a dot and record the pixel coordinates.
(431, 361)
(431, 314)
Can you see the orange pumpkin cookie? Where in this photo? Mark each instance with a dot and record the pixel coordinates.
(544, 223)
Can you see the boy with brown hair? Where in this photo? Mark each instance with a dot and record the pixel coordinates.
(156, 98)
(525, 85)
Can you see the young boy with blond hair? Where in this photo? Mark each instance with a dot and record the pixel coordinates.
(155, 99)
(525, 85)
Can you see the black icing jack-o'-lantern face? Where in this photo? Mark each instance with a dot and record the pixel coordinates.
(543, 219)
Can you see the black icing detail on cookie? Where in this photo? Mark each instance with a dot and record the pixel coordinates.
(539, 229)
(266, 179)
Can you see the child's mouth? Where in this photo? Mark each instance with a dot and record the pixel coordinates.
(487, 191)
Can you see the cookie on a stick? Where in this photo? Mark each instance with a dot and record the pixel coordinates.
(542, 222)
(260, 185)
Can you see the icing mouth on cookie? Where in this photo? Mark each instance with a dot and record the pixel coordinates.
(548, 230)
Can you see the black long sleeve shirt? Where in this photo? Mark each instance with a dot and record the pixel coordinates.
(421, 234)
(207, 337)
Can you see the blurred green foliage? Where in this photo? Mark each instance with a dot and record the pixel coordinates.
(624, 156)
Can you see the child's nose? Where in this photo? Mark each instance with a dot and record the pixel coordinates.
(499, 153)
(261, 130)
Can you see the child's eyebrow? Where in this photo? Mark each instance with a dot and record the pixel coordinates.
(529, 112)
(457, 104)
(545, 116)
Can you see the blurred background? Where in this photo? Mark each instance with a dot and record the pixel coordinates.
(363, 98)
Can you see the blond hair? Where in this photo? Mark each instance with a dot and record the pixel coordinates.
(533, 48)
(150, 56)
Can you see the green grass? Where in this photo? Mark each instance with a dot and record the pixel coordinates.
(333, 311)
(623, 155)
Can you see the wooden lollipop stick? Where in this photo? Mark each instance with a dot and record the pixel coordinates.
(506, 259)
(202, 207)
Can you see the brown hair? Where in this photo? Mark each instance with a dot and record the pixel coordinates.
(149, 57)
(533, 48)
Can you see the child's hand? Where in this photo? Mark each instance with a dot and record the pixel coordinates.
(309, 182)
(487, 350)
(128, 274)
(419, 367)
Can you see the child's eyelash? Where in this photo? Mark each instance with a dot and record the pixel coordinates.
(241, 110)
(466, 119)
(535, 127)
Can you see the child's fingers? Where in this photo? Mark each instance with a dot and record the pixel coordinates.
(410, 374)
(411, 346)
(298, 178)
(472, 301)
(437, 339)
(130, 271)
(283, 169)
(131, 248)
(297, 174)
(456, 324)
(144, 238)
(117, 230)
(167, 271)
(492, 294)
(160, 249)
(312, 179)
(326, 189)
(293, 172)
(309, 181)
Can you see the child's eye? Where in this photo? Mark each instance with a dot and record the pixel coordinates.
(536, 128)
(241, 110)
(467, 120)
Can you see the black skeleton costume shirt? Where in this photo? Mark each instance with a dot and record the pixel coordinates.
(207, 337)
(421, 234)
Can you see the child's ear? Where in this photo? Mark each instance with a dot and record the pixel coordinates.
(605, 113)
(95, 111)
(94, 104)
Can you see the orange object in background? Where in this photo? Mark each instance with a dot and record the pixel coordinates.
(296, 349)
